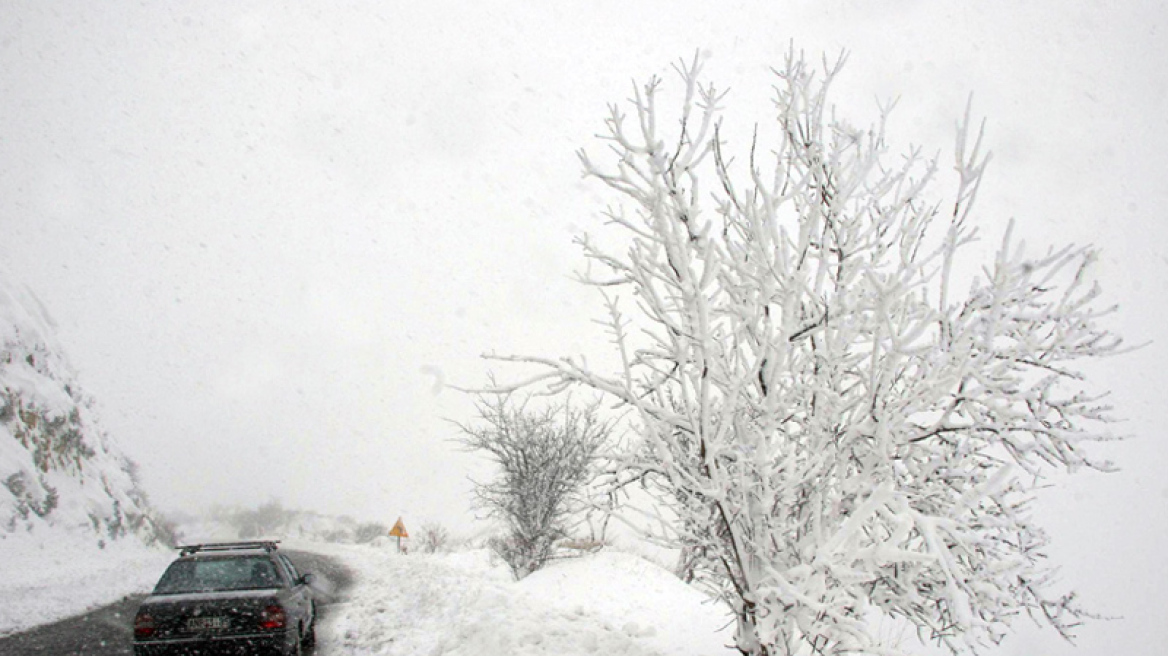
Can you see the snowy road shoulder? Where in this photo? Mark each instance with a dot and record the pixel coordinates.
(49, 576)
(462, 605)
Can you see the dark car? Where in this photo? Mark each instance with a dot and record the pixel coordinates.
(242, 598)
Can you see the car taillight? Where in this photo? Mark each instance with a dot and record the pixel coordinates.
(273, 617)
(143, 625)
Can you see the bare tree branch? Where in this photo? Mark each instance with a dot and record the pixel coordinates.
(544, 457)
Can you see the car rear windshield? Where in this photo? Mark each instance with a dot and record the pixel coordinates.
(211, 574)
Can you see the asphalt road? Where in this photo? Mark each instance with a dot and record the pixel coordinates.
(110, 630)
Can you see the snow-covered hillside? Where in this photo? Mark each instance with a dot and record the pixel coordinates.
(65, 487)
(272, 520)
(58, 466)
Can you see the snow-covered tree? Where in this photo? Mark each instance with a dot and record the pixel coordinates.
(545, 457)
(842, 419)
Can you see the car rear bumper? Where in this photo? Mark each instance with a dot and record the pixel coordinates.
(248, 645)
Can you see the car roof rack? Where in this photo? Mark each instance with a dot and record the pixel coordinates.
(266, 545)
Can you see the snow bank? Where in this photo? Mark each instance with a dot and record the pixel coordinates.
(465, 605)
(50, 574)
(637, 597)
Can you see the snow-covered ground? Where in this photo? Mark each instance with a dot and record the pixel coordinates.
(47, 575)
(610, 603)
(458, 604)
(462, 604)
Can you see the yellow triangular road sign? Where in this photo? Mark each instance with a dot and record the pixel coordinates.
(399, 529)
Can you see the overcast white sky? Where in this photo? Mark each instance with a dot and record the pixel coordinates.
(271, 232)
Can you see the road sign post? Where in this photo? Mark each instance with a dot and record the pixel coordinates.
(399, 531)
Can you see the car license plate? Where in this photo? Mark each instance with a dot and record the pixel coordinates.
(208, 623)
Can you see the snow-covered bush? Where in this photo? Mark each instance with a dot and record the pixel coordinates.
(545, 456)
(370, 531)
(434, 538)
(836, 419)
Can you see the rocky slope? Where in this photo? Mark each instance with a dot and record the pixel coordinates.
(59, 470)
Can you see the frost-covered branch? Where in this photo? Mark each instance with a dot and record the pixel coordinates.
(836, 430)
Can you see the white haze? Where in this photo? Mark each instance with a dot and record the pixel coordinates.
(273, 233)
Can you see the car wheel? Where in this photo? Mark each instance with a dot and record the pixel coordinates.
(309, 639)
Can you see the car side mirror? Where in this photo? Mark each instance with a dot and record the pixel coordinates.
(308, 579)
